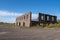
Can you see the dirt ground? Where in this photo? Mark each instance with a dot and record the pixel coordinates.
(29, 34)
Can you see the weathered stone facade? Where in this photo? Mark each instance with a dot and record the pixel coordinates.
(26, 21)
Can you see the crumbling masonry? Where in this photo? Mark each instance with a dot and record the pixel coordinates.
(26, 21)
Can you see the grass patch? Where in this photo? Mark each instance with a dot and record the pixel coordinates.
(12, 25)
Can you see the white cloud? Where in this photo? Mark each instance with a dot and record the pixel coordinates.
(8, 20)
(34, 16)
(10, 17)
(7, 13)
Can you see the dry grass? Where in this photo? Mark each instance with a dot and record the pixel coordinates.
(8, 25)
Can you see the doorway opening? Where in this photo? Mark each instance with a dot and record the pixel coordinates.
(23, 23)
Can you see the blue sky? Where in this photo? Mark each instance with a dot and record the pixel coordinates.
(10, 9)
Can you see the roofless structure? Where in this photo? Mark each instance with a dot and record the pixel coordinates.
(27, 21)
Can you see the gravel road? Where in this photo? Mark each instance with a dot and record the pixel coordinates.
(29, 34)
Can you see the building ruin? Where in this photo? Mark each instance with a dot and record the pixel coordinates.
(27, 21)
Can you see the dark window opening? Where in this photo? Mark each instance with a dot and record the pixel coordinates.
(19, 23)
(23, 23)
(26, 17)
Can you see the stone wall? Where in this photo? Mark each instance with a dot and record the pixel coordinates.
(24, 20)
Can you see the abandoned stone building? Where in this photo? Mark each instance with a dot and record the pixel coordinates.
(27, 21)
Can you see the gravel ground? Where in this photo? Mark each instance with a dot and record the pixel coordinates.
(29, 34)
